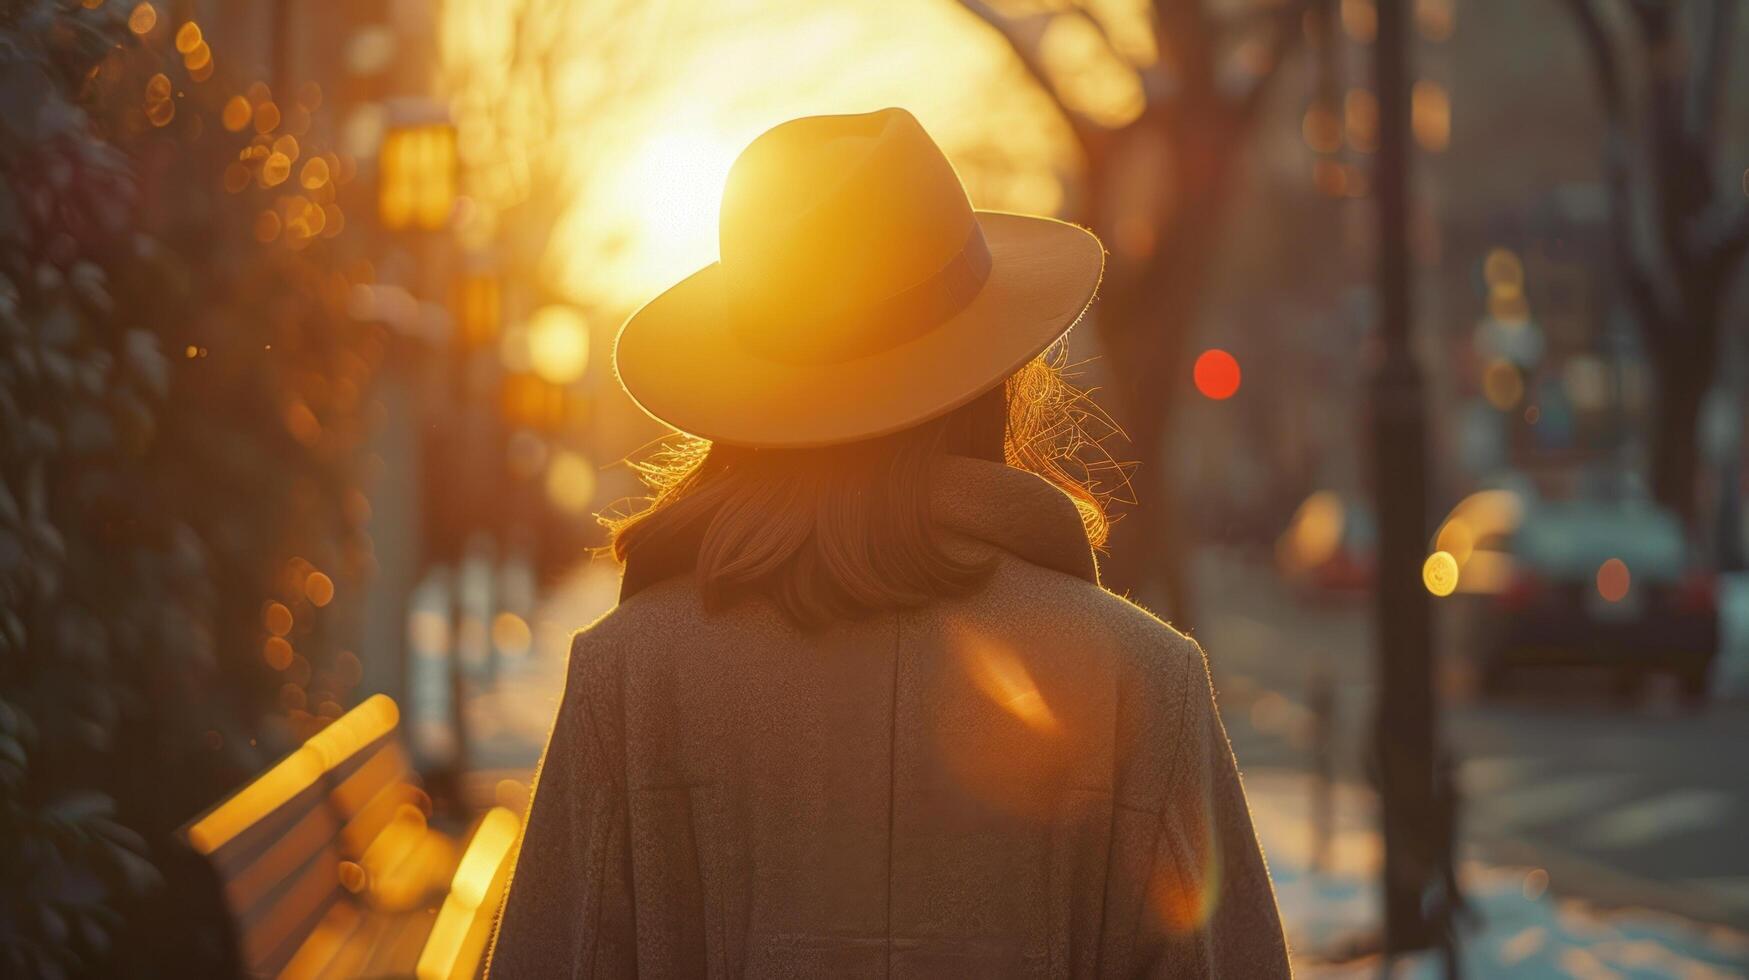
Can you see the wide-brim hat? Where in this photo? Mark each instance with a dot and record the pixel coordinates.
(858, 293)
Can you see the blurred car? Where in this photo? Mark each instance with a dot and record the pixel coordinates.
(1330, 547)
(1584, 583)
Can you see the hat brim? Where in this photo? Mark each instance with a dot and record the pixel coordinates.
(684, 366)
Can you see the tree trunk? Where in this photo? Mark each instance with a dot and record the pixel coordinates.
(1684, 375)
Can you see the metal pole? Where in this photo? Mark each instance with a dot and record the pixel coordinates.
(1405, 742)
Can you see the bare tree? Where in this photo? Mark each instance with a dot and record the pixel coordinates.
(1679, 236)
(1158, 189)
(514, 75)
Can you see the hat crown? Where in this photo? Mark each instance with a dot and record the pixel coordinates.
(841, 216)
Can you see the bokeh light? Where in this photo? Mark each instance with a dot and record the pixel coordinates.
(160, 102)
(1360, 19)
(1502, 385)
(319, 589)
(1536, 882)
(1613, 580)
(570, 482)
(277, 618)
(237, 113)
(277, 652)
(1315, 533)
(1217, 374)
(558, 344)
(143, 19)
(1360, 119)
(1430, 115)
(1502, 268)
(511, 634)
(1439, 573)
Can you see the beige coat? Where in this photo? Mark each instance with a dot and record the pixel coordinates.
(1030, 782)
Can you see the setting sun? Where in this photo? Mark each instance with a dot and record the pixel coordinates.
(671, 187)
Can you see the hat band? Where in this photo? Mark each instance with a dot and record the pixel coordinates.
(884, 324)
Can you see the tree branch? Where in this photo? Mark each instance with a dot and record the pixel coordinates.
(1286, 22)
(1710, 74)
(1025, 48)
(1186, 37)
(1604, 64)
(1641, 286)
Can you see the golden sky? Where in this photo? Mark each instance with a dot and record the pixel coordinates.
(651, 107)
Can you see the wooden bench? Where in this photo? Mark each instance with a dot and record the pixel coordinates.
(330, 870)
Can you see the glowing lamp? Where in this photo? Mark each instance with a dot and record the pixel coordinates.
(416, 167)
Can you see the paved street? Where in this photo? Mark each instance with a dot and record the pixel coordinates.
(1625, 805)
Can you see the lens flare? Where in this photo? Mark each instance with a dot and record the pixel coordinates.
(999, 673)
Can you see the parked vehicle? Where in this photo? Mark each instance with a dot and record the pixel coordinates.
(1585, 583)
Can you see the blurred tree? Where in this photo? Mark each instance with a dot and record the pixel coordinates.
(1679, 232)
(178, 400)
(527, 85)
(1160, 180)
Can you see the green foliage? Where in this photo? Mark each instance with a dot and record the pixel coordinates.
(180, 407)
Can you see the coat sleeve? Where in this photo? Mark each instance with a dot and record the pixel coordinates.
(567, 911)
(1210, 908)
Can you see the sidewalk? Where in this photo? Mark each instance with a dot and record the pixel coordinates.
(1524, 931)
(509, 720)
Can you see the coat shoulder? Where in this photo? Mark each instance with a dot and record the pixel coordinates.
(604, 646)
(1078, 609)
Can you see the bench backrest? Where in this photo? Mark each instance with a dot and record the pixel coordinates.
(294, 841)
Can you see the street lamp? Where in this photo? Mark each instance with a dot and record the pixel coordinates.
(416, 167)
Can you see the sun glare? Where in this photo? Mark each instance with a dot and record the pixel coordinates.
(672, 187)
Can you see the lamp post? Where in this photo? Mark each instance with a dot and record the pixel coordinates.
(1415, 809)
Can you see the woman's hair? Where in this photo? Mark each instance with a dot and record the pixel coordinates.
(842, 531)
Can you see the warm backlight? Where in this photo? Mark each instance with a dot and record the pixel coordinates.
(1217, 374)
(673, 187)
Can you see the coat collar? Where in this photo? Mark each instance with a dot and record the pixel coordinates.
(1015, 510)
(1011, 509)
